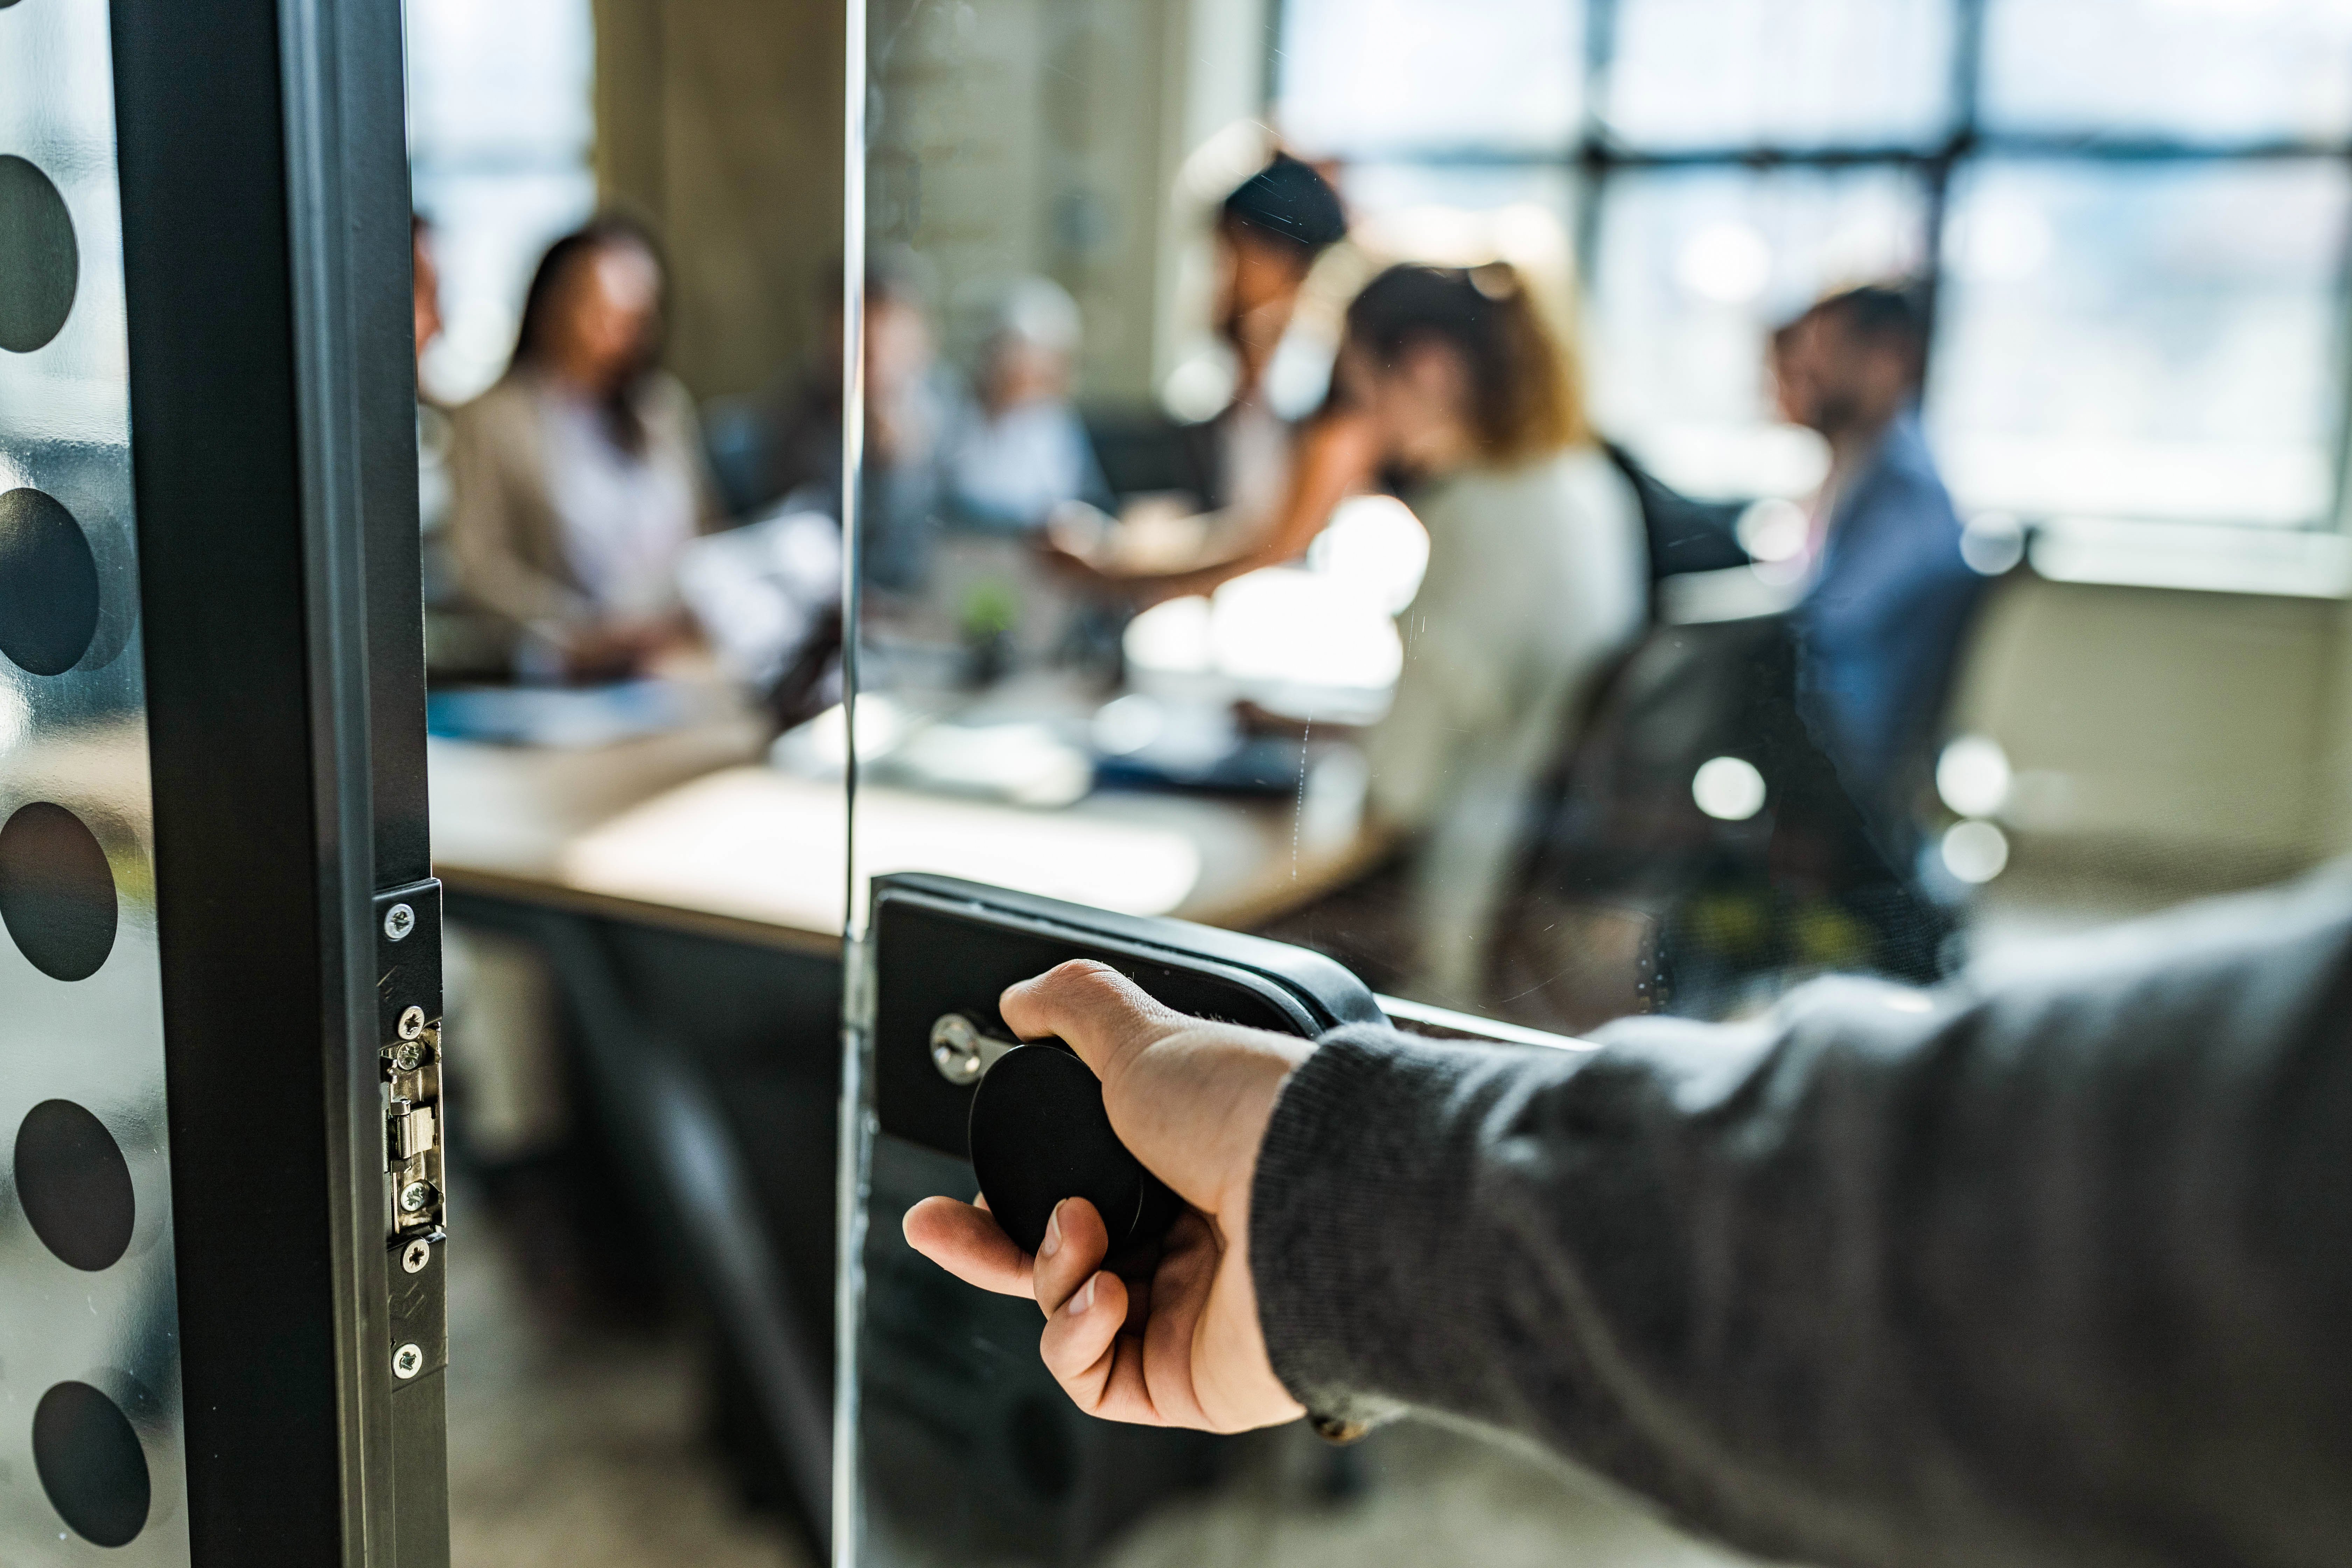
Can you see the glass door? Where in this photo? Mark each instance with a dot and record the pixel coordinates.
(1355, 497)
(221, 1316)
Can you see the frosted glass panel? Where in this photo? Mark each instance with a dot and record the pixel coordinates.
(90, 1450)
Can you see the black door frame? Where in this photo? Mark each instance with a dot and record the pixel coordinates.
(265, 201)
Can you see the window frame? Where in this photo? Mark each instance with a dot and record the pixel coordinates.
(2311, 559)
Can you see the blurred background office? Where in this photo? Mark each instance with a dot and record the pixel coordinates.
(1570, 507)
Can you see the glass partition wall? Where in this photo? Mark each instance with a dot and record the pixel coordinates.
(1193, 577)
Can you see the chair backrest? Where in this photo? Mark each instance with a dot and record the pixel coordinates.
(1624, 828)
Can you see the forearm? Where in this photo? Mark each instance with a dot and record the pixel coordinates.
(1336, 455)
(2053, 1273)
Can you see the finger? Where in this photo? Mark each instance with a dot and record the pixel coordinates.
(1091, 1007)
(968, 1244)
(1076, 1245)
(1081, 1346)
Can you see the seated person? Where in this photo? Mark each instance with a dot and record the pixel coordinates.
(785, 448)
(1880, 628)
(578, 479)
(1023, 451)
(1536, 575)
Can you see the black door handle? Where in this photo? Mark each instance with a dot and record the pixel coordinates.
(1040, 1133)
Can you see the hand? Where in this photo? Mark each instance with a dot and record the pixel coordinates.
(1177, 1342)
(619, 650)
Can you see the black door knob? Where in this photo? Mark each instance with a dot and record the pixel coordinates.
(1040, 1134)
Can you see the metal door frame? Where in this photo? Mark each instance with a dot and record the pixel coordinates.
(265, 200)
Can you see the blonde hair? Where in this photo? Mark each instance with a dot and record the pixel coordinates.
(1526, 398)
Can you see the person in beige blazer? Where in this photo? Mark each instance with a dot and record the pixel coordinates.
(578, 478)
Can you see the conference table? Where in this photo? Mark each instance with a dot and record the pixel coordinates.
(691, 828)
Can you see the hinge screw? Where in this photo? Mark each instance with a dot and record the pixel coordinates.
(416, 1198)
(407, 1362)
(415, 1255)
(399, 920)
(411, 1023)
(407, 1057)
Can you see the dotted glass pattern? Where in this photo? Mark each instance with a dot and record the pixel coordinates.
(91, 1463)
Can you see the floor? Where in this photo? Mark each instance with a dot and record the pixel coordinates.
(584, 1450)
(1429, 1497)
(580, 1449)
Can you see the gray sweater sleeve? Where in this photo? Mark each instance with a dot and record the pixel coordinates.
(2054, 1267)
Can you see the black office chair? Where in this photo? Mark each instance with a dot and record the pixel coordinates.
(1719, 912)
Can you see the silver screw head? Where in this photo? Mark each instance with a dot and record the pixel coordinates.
(955, 1050)
(408, 1057)
(407, 1362)
(416, 1198)
(411, 1023)
(415, 1255)
(398, 921)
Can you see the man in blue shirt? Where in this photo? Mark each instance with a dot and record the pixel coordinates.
(1879, 633)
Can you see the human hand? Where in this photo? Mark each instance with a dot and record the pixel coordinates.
(1175, 1341)
(622, 649)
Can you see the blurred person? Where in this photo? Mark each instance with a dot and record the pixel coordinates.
(1023, 451)
(458, 643)
(578, 478)
(783, 448)
(1880, 628)
(1538, 575)
(2045, 1268)
(1274, 482)
(1271, 231)
(432, 419)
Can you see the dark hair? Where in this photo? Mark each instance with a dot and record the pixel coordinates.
(1288, 201)
(611, 231)
(1895, 315)
(1526, 401)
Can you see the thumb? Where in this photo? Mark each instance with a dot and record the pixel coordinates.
(1092, 1009)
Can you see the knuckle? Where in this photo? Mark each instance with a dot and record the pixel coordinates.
(1086, 977)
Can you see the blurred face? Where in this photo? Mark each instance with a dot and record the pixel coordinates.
(1258, 281)
(898, 347)
(428, 294)
(1831, 380)
(1418, 404)
(605, 316)
(1021, 372)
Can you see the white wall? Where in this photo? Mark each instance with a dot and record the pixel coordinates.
(2172, 734)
